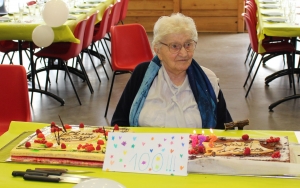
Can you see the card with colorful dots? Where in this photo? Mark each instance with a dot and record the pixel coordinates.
(152, 153)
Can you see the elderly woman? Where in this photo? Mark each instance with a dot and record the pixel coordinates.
(172, 90)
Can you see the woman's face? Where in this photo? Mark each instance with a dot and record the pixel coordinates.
(175, 63)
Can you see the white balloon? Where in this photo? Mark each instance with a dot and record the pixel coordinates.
(55, 13)
(43, 35)
(99, 182)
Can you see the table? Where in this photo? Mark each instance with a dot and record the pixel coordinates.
(132, 180)
(63, 33)
(282, 30)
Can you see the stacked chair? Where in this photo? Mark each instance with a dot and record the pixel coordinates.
(251, 7)
(113, 15)
(113, 20)
(99, 34)
(123, 12)
(87, 42)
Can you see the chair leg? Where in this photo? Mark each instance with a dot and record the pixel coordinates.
(283, 59)
(93, 44)
(108, 51)
(101, 61)
(45, 66)
(56, 79)
(253, 77)
(3, 58)
(47, 74)
(68, 73)
(93, 64)
(99, 56)
(11, 58)
(34, 67)
(8, 56)
(107, 39)
(252, 55)
(27, 54)
(107, 57)
(85, 75)
(37, 78)
(109, 95)
(249, 50)
(73, 65)
(251, 67)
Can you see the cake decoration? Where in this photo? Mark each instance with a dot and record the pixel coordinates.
(62, 124)
(239, 124)
(245, 137)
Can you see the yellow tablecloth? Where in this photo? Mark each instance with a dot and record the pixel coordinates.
(132, 180)
(273, 29)
(63, 33)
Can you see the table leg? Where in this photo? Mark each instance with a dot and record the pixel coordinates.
(20, 52)
(278, 74)
(273, 105)
(290, 71)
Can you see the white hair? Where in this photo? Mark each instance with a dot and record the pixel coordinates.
(176, 23)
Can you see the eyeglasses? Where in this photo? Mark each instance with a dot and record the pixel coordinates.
(176, 47)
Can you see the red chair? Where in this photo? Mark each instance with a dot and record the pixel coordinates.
(114, 18)
(87, 41)
(7, 46)
(99, 34)
(14, 99)
(274, 49)
(123, 10)
(64, 51)
(125, 61)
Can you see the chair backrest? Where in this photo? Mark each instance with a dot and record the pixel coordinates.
(89, 31)
(75, 48)
(251, 27)
(100, 32)
(252, 1)
(8, 45)
(251, 12)
(124, 9)
(14, 100)
(129, 46)
(252, 4)
(114, 15)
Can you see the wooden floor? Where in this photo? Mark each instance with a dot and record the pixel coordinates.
(222, 53)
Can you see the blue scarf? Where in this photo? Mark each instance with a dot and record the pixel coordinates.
(200, 85)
